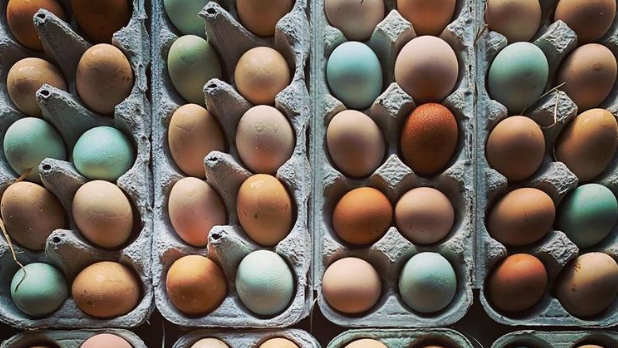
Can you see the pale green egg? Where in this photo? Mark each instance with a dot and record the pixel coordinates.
(184, 14)
(103, 153)
(39, 289)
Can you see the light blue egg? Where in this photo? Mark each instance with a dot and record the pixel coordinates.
(184, 15)
(354, 75)
(103, 153)
(39, 290)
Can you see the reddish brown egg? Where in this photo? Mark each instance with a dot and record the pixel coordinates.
(102, 18)
(19, 14)
(590, 19)
(427, 17)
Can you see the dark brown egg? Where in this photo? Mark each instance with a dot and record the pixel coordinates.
(102, 18)
(590, 19)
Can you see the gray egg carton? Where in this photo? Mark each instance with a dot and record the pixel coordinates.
(403, 338)
(552, 113)
(393, 177)
(229, 244)
(66, 339)
(557, 339)
(66, 248)
(248, 339)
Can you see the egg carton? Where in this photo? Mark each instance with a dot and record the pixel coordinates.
(552, 112)
(229, 244)
(404, 338)
(66, 249)
(66, 339)
(557, 339)
(248, 339)
(393, 177)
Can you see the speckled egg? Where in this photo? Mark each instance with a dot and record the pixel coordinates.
(424, 215)
(185, 15)
(19, 15)
(366, 343)
(102, 18)
(355, 19)
(351, 285)
(517, 283)
(38, 289)
(278, 342)
(589, 19)
(105, 340)
(103, 153)
(261, 16)
(427, 17)
(517, 20)
(260, 74)
(209, 343)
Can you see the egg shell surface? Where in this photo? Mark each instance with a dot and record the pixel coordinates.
(356, 19)
(38, 289)
(106, 340)
(103, 153)
(424, 215)
(260, 74)
(278, 342)
(185, 15)
(261, 16)
(209, 343)
(351, 285)
(366, 343)
(19, 14)
(590, 19)
(427, 17)
(517, 20)
(102, 18)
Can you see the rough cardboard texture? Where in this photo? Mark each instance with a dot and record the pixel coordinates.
(248, 339)
(403, 338)
(66, 339)
(562, 339)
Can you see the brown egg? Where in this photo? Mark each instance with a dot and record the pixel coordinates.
(19, 14)
(351, 285)
(424, 215)
(366, 343)
(278, 343)
(517, 20)
(195, 285)
(588, 285)
(429, 138)
(590, 346)
(588, 74)
(30, 214)
(356, 19)
(102, 18)
(517, 283)
(523, 216)
(194, 209)
(427, 69)
(106, 290)
(105, 340)
(209, 343)
(264, 139)
(264, 209)
(362, 216)
(587, 145)
(516, 147)
(427, 17)
(261, 16)
(104, 78)
(26, 77)
(589, 19)
(261, 73)
(193, 133)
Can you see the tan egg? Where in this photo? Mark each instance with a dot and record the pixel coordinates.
(366, 343)
(362, 216)
(192, 134)
(590, 346)
(261, 73)
(351, 285)
(356, 19)
(588, 144)
(264, 139)
(517, 283)
(261, 16)
(103, 213)
(105, 340)
(30, 214)
(106, 290)
(104, 78)
(19, 14)
(196, 285)
(588, 74)
(517, 20)
(427, 17)
(424, 215)
(194, 209)
(355, 143)
(209, 343)
(101, 19)
(278, 342)
(516, 147)
(590, 19)
(264, 209)
(26, 77)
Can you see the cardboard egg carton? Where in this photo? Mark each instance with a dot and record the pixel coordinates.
(557, 339)
(393, 177)
(229, 244)
(66, 249)
(248, 339)
(66, 339)
(404, 338)
(552, 113)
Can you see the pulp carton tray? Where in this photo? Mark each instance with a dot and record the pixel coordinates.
(404, 338)
(557, 339)
(66, 339)
(248, 339)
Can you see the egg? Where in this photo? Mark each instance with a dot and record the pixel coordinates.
(428, 282)
(362, 216)
(19, 15)
(103, 153)
(30, 214)
(261, 16)
(260, 74)
(589, 346)
(104, 78)
(106, 290)
(264, 139)
(588, 74)
(265, 283)
(517, 283)
(27, 142)
(105, 340)
(588, 285)
(517, 20)
(26, 77)
(424, 215)
(588, 214)
(517, 76)
(264, 209)
(354, 75)
(427, 17)
(351, 285)
(195, 285)
(191, 63)
(366, 343)
(101, 19)
(589, 19)
(427, 69)
(194, 209)
(185, 15)
(355, 143)
(278, 342)
(355, 19)
(38, 289)
(588, 144)
(521, 217)
(103, 214)
(192, 134)
(516, 148)
(209, 343)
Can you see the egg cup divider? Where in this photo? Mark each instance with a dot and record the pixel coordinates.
(67, 339)
(393, 177)
(551, 112)
(229, 244)
(66, 248)
(403, 338)
(557, 339)
(248, 339)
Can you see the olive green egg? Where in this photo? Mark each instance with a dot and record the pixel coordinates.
(184, 14)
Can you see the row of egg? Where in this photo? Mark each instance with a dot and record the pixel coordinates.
(102, 340)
